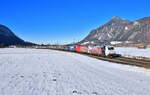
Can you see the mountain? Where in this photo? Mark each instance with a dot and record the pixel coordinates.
(120, 30)
(7, 37)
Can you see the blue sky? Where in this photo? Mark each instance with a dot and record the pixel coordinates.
(65, 21)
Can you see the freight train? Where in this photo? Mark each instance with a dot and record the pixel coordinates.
(95, 50)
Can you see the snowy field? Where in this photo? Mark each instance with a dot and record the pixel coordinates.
(48, 72)
(134, 52)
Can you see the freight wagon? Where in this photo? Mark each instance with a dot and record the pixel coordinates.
(95, 50)
(82, 48)
(70, 48)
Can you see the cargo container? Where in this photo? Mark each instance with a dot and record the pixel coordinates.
(71, 48)
(95, 50)
(82, 48)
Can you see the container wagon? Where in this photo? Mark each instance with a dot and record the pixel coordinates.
(82, 48)
(70, 48)
(95, 50)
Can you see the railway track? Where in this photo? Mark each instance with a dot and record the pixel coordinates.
(124, 60)
(119, 60)
(139, 62)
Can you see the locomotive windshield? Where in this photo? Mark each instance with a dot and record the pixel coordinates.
(110, 48)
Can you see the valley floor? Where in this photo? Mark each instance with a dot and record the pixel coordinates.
(129, 52)
(49, 72)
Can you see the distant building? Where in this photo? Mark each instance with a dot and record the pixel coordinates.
(115, 42)
(12, 46)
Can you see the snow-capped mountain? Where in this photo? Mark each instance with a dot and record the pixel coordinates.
(118, 29)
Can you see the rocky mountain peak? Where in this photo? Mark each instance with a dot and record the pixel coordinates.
(118, 29)
(116, 18)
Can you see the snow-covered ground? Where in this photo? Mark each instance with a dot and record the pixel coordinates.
(133, 52)
(49, 72)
